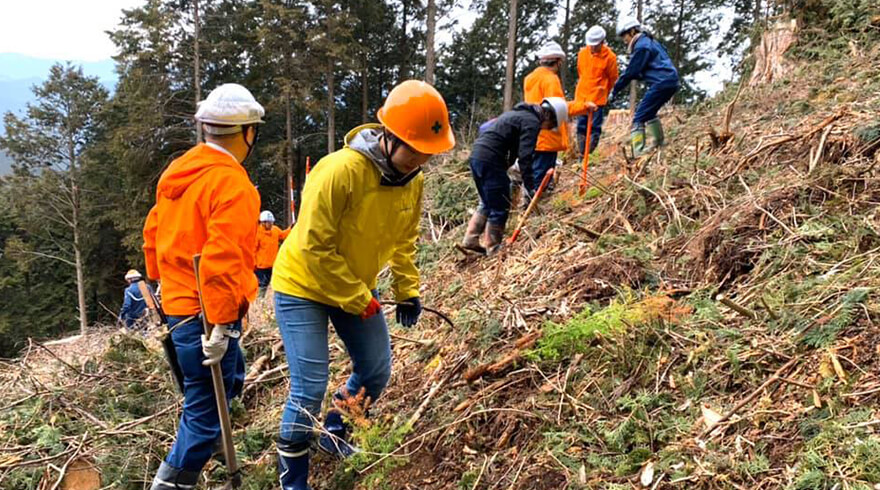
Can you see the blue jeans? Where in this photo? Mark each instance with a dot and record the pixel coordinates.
(199, 424)
(651, 103)
(541, 164)
(595, 131)
(303, 325)
(493, 186)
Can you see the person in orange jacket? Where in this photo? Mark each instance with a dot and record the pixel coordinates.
(541, 83)
(206, 204)
(268, 238)
(597, 73)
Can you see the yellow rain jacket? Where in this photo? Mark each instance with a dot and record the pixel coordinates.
(348, 229)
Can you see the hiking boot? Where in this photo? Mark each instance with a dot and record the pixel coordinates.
(293, 465)
(475, 229)
(170, 478)
(637, 139)
(654, 129)
(334, 438)
(494, 238)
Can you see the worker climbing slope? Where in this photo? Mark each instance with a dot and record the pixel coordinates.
(597, 73)
(361, 210)
(541, 83)
(206, 204)
(133, 305)
(648, 61)
(269, 238)
(512, 136)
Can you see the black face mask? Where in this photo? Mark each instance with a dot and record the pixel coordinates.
(250, 146)
(398, 178)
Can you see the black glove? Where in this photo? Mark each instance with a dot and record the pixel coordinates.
(408, 312)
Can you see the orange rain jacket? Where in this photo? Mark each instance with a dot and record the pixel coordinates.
(596, 76)
(267, 245)
(205, 203)
(540, 83)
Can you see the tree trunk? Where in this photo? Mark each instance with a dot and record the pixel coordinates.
(511, 54)
(757, 12)
(80, 276)
(403, 51)
(429, 41)
(197, 85)
(679, 34)
(633, 87)
(288, 153)
(566, 33)
(331, 109)
(73, 175)
(365, 91)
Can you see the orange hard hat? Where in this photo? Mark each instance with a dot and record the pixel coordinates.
(415, 112)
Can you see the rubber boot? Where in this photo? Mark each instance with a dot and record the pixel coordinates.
(475, 229)
(654, 129)
(637, 139)
(494, 238)
(169, 478)
(293, 465)
(334, 441)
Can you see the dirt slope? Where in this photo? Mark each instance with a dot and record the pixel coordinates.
(703, 318)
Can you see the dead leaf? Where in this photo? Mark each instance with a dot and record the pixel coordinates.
(710, 417)
(647, 476)
(582, 475)
(838, 369)
(817, 400)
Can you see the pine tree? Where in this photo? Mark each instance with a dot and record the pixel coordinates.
(48, 147)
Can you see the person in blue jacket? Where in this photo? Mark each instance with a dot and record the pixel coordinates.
(133, 306)
(649, 62)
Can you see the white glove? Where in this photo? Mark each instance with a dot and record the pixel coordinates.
(214, 348)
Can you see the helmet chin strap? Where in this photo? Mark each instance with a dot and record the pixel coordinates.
(395, 145)
(250, 146)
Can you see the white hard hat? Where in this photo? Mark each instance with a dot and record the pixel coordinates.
(132, 275)
(627, 23)
(227, 108)
(559, 107)
(595, 36)
(550, 50)
(267, 216)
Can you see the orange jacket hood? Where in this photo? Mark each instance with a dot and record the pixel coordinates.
(187, 169)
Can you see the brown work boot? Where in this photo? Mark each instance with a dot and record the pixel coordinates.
(494, 238)
(474, 230)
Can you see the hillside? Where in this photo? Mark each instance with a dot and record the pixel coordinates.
(703, 318)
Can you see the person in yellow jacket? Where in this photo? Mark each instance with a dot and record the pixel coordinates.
(361, 208)
(269, 237)
(544, 82)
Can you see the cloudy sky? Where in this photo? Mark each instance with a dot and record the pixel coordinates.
(60, 29)
(68, 30)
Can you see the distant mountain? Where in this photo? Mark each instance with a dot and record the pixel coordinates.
(14, 66)
(5, 163)
(18, 73)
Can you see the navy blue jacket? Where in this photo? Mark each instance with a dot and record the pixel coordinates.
(649, 62)
(512, 136)
(133, 306)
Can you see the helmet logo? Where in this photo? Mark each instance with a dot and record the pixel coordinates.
(436, 127)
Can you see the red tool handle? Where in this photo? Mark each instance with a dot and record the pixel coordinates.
(522, 220)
